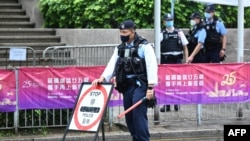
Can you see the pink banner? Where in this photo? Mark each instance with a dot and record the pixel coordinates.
(203, 83)
(178, 84)
(53, 87)
(7, 91)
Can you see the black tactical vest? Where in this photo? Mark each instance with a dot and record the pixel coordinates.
(193, 41)
(213, 38)
(171, 42)
(129, 58)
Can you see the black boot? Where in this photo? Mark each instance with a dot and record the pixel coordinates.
(176, 107)
(165, 108)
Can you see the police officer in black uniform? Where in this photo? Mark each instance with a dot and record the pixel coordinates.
(215, 43)
(196, 38)
(173, 48)
(133, 68)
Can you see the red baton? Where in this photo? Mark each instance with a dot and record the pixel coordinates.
(131, 108)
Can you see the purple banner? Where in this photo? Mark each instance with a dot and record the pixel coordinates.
(53, 87)
(7, 91)
(41, 88)
(203, 83)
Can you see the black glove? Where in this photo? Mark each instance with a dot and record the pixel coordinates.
(152, 102)
(223, 58)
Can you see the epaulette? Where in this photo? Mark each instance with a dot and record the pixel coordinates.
(140, 40)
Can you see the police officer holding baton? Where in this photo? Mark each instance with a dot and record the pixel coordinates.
(133, 68)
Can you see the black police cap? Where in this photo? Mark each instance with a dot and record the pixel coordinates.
(210, 8)
(195, 15)
(167, 17)
(127, 24)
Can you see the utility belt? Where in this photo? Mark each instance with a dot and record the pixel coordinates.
(136, 80)
(170, 57)
(133, 81)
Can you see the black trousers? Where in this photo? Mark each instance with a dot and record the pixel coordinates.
(171, 59)
(213, 55)
(200, 57)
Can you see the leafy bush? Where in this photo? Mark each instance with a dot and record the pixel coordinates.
(109, 13)
(63, 13)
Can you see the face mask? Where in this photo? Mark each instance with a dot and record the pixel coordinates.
(124, 38)
(169, 23)
(207, 15)
(192, 22)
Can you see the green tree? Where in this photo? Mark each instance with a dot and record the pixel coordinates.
(109, 13)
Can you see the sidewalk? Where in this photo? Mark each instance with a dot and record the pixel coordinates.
(173, 126)
(211, 130)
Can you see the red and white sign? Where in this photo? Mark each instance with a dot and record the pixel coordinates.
(90, 107)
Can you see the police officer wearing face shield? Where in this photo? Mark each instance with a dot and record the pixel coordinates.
(133, 68)
(215, 43)
(197, 36)
(173, 48)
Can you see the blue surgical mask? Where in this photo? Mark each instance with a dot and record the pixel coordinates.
(169, 23)
(207, 15)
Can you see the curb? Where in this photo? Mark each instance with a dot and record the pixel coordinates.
(156, 134)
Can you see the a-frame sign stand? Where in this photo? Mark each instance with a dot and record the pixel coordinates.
(96, 134)
(103, 133)
(90, 108)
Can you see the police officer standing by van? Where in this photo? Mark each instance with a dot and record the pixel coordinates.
(197, 36)
(133, 68)
(173, 48)
(215, 43)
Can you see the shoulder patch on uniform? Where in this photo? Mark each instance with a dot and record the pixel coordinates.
(144, 42)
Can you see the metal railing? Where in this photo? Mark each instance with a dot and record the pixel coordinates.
(5, 52)
(100, 54)
(91, 55)
(86, 55)
(9, 120)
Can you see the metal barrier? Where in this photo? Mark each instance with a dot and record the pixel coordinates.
(87, 55)
(9, 120)
(84, 55)
(5, 61)
(100, 54)
(55, 56)
(90, 55)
